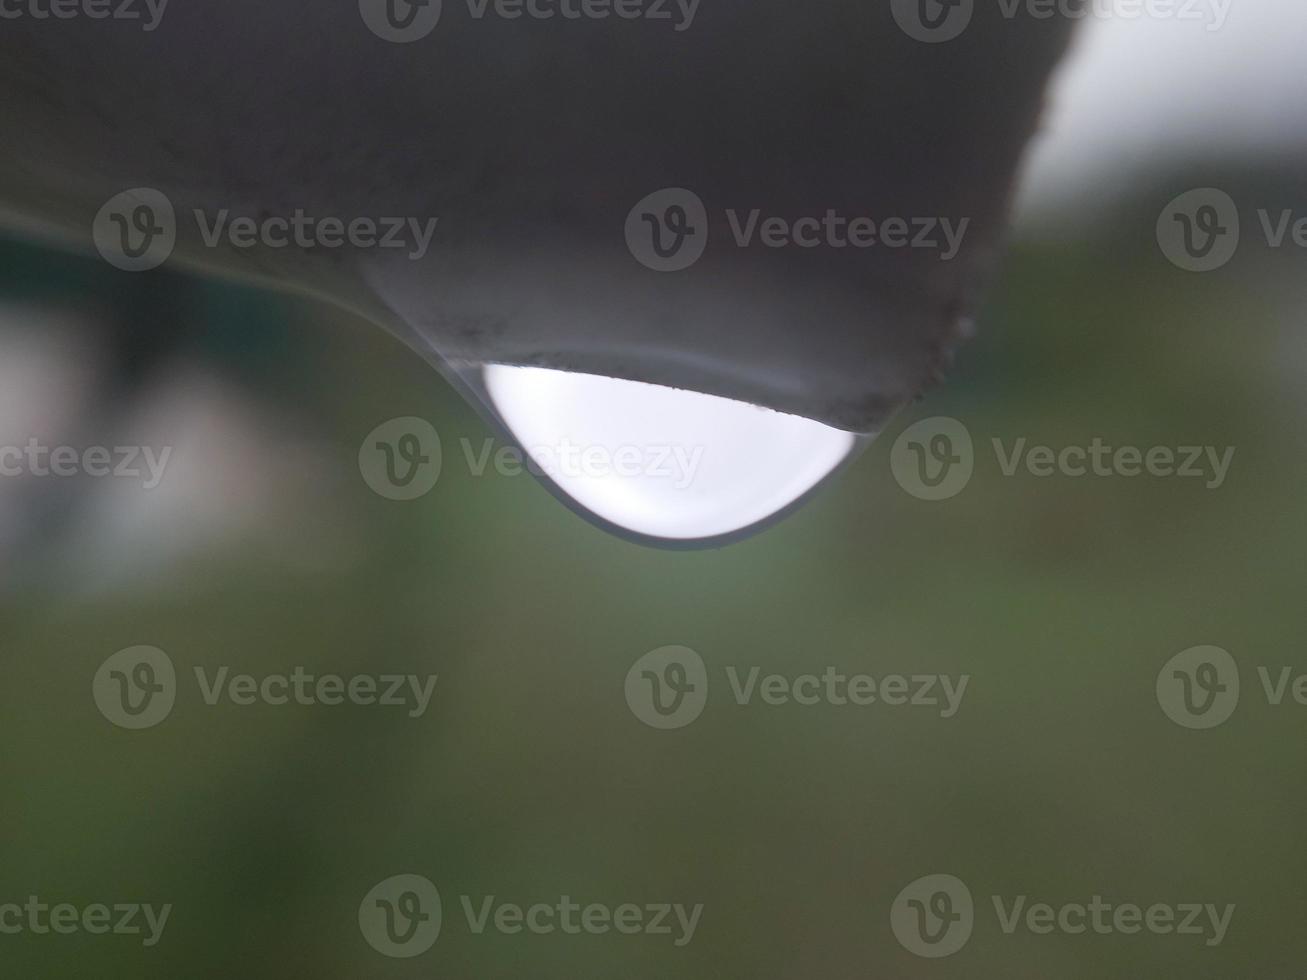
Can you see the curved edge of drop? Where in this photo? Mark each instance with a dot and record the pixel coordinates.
(469, 379)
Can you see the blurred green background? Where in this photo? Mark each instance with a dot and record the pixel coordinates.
(529, 778)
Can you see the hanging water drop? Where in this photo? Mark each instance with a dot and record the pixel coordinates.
(662, 465)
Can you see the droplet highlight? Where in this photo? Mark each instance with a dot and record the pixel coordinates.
(663, 465)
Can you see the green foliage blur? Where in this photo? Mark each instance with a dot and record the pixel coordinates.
(1059, 779)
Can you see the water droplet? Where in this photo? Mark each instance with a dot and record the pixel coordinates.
(661, 465)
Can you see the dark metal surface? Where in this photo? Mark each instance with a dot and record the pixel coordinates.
(531, 141)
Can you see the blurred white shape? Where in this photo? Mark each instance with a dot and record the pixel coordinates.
(663, 462)
(48, 361)
(1137, 94)
(232, 480)
(229, 477)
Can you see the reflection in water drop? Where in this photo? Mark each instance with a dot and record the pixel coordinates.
(662, 463)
